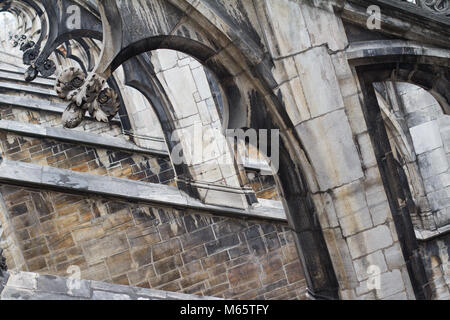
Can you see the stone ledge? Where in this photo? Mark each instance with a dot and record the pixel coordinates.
(39, 105)
(414, 10)
(32, 286)
(21, 173)
(425, 235)
(402, 15)
(107, 142)
(375, 48)
(27, 88)
(16, 76)
(32, 103)
(77, 137)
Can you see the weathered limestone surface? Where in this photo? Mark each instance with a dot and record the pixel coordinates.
(198, 123)
(421, 121)
(79, 182)
(329, 121)
(428, 126)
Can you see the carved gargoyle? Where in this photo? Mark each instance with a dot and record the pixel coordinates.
(85, 94)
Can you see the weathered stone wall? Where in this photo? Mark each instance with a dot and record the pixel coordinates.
(51, 119)
(48, 152)
(198, 120)
(126, 243)
(429, 129)
(148, 246)
(83, 158)
(430, 132)
(297, 49)
(435, 254)
(419, 134)
(322, 96)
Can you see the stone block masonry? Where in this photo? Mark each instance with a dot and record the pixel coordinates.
(305, 67)
(150, 247)
(43, 117)
(82, 158)
(24, 137)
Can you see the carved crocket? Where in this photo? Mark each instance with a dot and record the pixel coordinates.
(85, 94)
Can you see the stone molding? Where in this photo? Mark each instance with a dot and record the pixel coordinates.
(77, 137)
(426, 235)
(103, 141)
(48, 177)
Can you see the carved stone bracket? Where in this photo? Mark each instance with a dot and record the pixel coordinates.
(85, 94)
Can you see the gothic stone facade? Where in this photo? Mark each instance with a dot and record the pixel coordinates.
(358, 208)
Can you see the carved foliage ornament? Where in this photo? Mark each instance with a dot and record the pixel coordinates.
(31, 52)
(85, 94)
(30, 57)
(27, 45)
(436, 6)
(19, 40)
